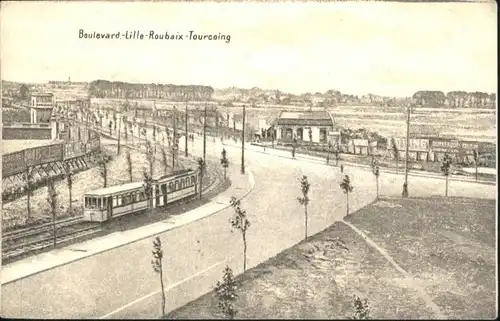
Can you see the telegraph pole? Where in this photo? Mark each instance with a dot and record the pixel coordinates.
(243, 144)
(186, 128)
(205, 134)
(119, 127)
(174, 139)
(405, 184)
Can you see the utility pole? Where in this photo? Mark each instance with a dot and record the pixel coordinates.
(119, 129)
(205, 134)
(243, 144)
(405, 184)
(174, 139)
(186, 128)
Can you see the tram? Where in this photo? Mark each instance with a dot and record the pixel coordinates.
(104, 204)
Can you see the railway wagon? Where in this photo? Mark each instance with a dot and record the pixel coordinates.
(107, 203)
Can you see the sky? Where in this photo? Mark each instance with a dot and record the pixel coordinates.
(391, 49)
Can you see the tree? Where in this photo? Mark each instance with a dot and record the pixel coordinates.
(157, 263)
(310, 137)
(304, 200)
(52, 200)
(346, 188)
(129, 165)
(114, 121)
(337, 155)
(150, 157)
(125, 132)
(328, 153)
(361, 309)
(69, 181)
(148, 188)
(376, 172)
(201, 168)
(445, 168)
(24, 92)
(476, 160)
(224, 161)
(102, 160)
(240, 222)
(395, 152)
(164, 160)
(225, 292)
(29, 186)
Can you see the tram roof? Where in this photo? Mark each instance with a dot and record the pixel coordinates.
(130, 186)
(115, 189)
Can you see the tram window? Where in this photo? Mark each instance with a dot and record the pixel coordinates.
(181, 183)
(115, 201)
(142, 196)
(99, 202)
(176, 185)
(193, 180)
(170, 187)
(86, 202)
(93, 202)
(119, 200)
(104, 202)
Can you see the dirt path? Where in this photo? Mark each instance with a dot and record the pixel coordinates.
(411, 281)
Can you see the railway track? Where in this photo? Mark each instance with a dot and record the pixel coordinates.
(26, 241)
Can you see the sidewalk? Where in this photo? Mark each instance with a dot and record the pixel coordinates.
(320, 160)
(241, 186)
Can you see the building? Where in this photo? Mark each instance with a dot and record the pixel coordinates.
(41, 106)
(418, 148)
(307, 126)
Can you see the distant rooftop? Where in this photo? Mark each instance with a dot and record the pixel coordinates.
(42, 94)
(306, 118)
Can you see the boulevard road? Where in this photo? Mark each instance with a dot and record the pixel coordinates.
(121, 283)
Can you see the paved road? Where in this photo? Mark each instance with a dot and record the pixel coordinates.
(121, 283)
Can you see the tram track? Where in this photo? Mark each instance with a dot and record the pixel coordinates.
(30, 240)
(26, 241)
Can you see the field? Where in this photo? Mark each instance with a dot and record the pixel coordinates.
(453, 257)
(82, 182)
(466, 123)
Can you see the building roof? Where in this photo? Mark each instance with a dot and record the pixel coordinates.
(306, 118)
(42, 94)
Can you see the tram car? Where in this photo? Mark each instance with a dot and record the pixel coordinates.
(104, 204)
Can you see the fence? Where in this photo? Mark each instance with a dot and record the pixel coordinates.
(18, 162)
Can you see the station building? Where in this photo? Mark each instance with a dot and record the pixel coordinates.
(307, 126)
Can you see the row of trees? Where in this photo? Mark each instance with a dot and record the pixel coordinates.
(456, 99)
(107, 89)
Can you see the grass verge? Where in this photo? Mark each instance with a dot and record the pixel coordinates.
(318, 277)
